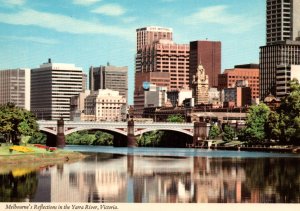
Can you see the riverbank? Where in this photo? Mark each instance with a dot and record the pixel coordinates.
(36, 155)
(283, 149)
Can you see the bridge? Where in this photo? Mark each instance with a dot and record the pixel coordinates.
(130, 130)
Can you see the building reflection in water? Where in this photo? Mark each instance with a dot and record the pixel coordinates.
(111, 178)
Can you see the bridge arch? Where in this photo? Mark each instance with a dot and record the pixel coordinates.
(96, 127)
(141, 132)
(47, 130)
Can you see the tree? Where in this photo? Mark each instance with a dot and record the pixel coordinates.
(256, 121)
(16, 122)
(289, 112)
(214, 132)
(175, 118)
(228, 133)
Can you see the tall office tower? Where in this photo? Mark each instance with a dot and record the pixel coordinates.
(52, 86)
(149, 35)
(208, 54)
(15, 87)
(283, 27)
(109, 77)
(247, 72)
(161, 62)
(283, 20)
(84, 82)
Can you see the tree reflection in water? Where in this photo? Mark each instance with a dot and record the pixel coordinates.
(18, 188)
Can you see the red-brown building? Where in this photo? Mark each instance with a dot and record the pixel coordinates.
(248, 72)
(207, 53)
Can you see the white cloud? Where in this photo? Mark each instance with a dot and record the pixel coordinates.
(110, 10)
(219, 15)
(85, 2)
(40, 40)
(13, 2)
(62, 23)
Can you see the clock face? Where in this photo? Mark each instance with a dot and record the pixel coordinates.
(146, 85)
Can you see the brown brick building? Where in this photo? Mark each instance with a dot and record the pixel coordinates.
(248, 72)
(207, 53)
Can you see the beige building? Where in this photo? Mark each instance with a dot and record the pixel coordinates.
(105, 105)
(200, 86)
(15, 87)
(77, 106)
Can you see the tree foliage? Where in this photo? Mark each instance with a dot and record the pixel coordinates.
(214, 132)
(86, 138)
(175, 118)
(228, 133)
(16, 122)
(257, 118)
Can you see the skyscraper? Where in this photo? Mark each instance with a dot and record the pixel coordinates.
(208, 54)
(283, 20)
(159, 61)
(15, 87)
(52, 86)
(109, 77)
(282, 49)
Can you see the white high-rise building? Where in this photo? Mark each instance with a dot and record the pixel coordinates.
(52, 86)
(15, 87)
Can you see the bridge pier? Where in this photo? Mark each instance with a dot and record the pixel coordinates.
(201, 130)
(60, 137)
(131, 139)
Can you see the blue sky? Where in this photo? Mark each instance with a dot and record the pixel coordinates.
(94, 32)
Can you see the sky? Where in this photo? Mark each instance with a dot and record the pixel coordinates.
(93, 32)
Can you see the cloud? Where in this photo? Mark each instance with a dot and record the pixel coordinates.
(13, 2)
(40, 40)
(219, 15)
(129, 19)
(85, 2)
(62, 23)
(110, 10)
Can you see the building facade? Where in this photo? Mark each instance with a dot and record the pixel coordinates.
(156, 96)
(248, 72)
(283, 42)
(52, 86)
(284, 74)
(168, 60)
(200, 86)
(15, 87)
(148, 35)
(208, 54)
(105, 105)
(271, 57)
(283, 20)
(109, 77)
(77, 106)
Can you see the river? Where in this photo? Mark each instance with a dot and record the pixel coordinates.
(158, 175)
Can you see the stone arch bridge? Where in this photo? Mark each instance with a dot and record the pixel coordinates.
(130, 129)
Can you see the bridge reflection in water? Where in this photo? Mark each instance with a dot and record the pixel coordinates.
(121, 178)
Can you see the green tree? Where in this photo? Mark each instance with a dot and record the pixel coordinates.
(16, 122)
(175, 118)
(38, 138)
(214, 132)
(228, 133)
(256, 121)
(289, 112)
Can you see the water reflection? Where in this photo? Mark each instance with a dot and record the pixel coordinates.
(128, 178)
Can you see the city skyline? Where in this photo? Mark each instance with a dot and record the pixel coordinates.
(94, 32)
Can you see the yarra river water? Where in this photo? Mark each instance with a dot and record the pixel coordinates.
(158, 175)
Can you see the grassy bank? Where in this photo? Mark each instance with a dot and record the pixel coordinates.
(31, 154)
